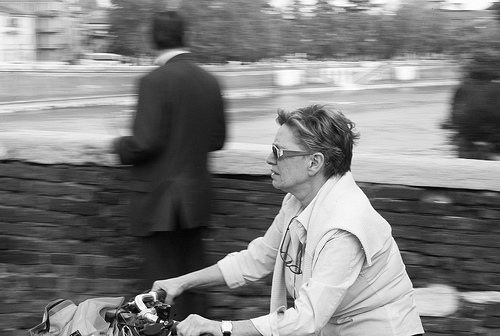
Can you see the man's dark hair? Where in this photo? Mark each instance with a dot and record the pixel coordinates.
(168, 30)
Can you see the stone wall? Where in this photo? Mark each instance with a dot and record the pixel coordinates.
(63, 234)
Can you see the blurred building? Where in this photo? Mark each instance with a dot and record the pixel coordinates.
(96, 26)
(17, 35)
(55, 30)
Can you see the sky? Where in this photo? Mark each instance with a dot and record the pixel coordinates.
(474, 4)
(463, 4)
(104, 3)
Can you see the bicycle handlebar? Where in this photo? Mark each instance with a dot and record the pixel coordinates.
(150, 314)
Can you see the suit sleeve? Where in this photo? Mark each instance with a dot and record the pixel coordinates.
(149, 129)
(219, 134)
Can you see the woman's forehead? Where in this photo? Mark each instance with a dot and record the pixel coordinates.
(285, 136)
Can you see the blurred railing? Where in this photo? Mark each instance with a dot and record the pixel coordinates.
(30, 81)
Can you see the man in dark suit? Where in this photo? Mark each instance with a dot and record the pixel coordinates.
(179, 119)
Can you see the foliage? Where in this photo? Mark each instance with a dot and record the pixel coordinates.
(228, 30)
(248, 31)
(359, 5)
(484, 64)
(496, 7)
(130, 20)
(87, 5)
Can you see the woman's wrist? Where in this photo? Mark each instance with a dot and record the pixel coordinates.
(207, 277)
(185, 282)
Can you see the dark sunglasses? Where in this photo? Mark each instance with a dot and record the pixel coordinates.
(286, 257)
(280, 152)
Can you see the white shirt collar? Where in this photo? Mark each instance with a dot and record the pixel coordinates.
(168, 55)
(301, 216)
(305, 215)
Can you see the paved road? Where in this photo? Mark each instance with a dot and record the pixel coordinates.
(397, 121)
(403, 121)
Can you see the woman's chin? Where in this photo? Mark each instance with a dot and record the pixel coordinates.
(277, 184)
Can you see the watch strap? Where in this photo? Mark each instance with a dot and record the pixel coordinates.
(227, 328)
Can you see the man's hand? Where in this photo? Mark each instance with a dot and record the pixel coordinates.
(115, 145)
(196, 325)
(172, 287)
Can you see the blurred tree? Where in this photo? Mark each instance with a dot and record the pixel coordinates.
(293, 9)
(386, 38)
(224, 30)
(420, 30)
(228, 30)
(251, 30)
(495, 9)
(324, 8)
(130, 23)
(322, 30)
(484, 64)
(206, 35)
(472, 36)
(359, 5)
(406, 26)
(87, 5)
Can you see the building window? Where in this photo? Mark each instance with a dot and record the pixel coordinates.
(14, 23)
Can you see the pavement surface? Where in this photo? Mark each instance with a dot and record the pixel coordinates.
(386, 118)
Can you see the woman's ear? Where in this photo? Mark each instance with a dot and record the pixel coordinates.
(316, 163)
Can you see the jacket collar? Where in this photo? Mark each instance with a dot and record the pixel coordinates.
(342, 205)
(294, 208)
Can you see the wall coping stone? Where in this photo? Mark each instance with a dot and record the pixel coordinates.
(426, 171)
(439, 300)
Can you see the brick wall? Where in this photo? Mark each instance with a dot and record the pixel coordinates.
(63, 234)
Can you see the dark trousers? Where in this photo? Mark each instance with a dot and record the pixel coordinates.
(173, 253)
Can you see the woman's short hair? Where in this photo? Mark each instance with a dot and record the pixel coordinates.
(168, 30)
(323, 129)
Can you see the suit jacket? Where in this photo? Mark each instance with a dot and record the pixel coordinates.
(179, 119)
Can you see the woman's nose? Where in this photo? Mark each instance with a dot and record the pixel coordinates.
(271, 160)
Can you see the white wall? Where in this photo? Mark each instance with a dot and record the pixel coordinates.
(17, 38)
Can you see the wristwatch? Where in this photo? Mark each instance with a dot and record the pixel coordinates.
(227, 328)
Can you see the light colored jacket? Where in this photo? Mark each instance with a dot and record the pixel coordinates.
(366, 291)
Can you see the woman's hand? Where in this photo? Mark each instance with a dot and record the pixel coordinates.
(196, 325)
(172, 287)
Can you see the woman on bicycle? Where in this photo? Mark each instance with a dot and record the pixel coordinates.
(327, 247)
